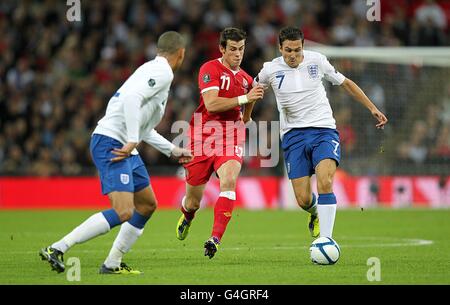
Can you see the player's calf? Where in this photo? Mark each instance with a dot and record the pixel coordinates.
(184, 222)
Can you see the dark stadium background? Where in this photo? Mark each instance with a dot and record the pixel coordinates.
(56, 78)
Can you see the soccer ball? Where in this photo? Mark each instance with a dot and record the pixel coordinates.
(324, 251)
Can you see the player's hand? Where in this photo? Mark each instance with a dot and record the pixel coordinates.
(255, 94)
(182, 155)
(381, 118)
(124, 152)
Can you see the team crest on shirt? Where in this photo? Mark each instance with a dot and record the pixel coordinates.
(151, 82)
(245, 83)
(313, 71)
(124, 178)
(206, 78)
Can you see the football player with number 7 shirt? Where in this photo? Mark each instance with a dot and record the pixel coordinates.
(309, 137)
(217, 134)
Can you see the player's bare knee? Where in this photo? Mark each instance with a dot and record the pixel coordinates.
(124, 213)
(192, 203)
(151, 206)
(304, 200)
(227, 183)
(325, 185)
(147, 206)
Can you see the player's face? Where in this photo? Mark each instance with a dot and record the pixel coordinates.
(292, 52)
(234, 52)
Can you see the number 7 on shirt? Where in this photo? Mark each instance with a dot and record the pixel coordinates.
(281, 77)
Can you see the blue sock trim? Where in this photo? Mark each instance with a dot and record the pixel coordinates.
(138, 220)
(329, 198)
(313, 200)
(112, 218)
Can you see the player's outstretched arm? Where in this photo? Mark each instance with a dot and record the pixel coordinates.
(355, 91)
(214, 103)
(247, 115)
(164, 146)
(183, 155)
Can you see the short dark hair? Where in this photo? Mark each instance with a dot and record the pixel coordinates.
(170, 42)
(233, 34)
(290, 33)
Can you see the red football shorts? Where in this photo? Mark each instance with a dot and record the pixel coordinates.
(199, 170)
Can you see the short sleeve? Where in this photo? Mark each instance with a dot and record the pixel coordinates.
(330, 73)
(208, 78)
(263, 77)
(145, 83)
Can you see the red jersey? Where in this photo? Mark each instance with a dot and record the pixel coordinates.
(214, 75)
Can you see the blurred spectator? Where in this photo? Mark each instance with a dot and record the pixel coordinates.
(56, 77)
(347, 134)
(440, 152)
(415, 149)
(431, 13)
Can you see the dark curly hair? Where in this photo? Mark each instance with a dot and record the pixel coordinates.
(290, 33)
(233, 34)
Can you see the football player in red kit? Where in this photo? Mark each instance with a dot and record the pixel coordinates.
(217, 134)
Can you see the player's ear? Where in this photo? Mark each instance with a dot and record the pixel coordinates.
(181, 53)
(221, 49)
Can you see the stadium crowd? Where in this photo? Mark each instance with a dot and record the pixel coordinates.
(56, 76)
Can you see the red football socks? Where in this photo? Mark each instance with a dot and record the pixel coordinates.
(188, 215)
(222, 215)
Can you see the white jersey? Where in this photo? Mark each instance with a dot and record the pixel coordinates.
(300, 94)
(138, 106)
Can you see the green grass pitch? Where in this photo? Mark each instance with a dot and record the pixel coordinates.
(262, 247)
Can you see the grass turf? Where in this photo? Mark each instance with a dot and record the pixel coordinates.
(264, 247)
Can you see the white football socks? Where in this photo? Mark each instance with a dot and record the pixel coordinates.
(92, 227)
(327, 213)
(126, 238)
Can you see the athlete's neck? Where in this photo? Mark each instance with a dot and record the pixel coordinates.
(225, 63)
(172, 60)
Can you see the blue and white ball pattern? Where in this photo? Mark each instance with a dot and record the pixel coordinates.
(324, 251)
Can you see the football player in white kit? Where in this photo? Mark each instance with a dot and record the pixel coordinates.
(131, 116)
(309, 137)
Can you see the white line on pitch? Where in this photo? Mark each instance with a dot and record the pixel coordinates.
(404, 242)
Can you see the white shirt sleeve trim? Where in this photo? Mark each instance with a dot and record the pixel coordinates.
(210, 88)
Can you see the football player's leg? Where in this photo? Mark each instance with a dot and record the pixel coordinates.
(326, 158)
(98, 224)
(144, 204)
(189, 205)
(307, 200)
(228, 173)
(326, 207)
(299, 167)
(198, 172)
